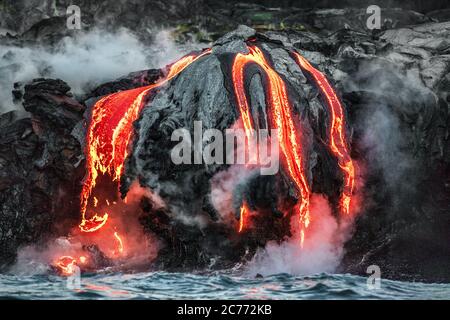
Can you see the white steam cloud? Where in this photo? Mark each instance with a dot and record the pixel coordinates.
(322, 250)
(85, 60)
(386, 138)
(223, 186)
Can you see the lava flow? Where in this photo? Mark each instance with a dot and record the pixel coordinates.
(243, 214)
(108, 137)
(111, 127)
(109, 134)
(279, 104)
(338, 144)
(66, 265)
(119, 243)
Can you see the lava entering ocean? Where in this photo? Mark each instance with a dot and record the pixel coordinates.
(111, 126)
(290, 134)
(108, 137)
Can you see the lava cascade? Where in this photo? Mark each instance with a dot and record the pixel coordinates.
(338, 144)
(109, 134)
(119, 243)
(289, 135)
(282, 119)
(244, 211)
(108, 137)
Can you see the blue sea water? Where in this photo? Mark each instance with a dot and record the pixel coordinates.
(163, 285)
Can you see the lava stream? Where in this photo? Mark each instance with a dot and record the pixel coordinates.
(119, 243)
(109, 134)
(243, 214)
(338, 144)
(281, 119)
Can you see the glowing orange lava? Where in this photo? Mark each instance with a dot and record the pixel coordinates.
(338, 144)
(109, 134)
(66, 265)
(94, 223)
(239, 64)
(111, 127)
(119, 243)
(107, 141)
(243, 214)
(281, 119)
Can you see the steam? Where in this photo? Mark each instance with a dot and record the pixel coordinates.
(223, 190)
(85, 60)
(165, 50)
(386, 123)
(383, 141)
(226, 186)
(36, 260)
(322, 251)
(139, 247)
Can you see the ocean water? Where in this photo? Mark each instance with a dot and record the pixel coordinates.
(163, 285)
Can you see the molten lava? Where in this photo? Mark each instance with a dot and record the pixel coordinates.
(240, 62)
(108, 137)
(119, 243)
(243, 214)
(338, 144)
(111, 127)
(281, 119)
(109, 134)
(94, 223)
(66, 265)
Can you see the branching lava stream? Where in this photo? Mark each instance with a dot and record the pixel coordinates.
(108, 138)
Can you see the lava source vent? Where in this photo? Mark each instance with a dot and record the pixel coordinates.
(99, 168)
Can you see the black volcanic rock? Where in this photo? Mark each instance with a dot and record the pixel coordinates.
(44, 19)
(50, 102)
(202, 20)
(40, 164)
(131, 81)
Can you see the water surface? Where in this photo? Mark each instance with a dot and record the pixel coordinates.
(163, 285)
